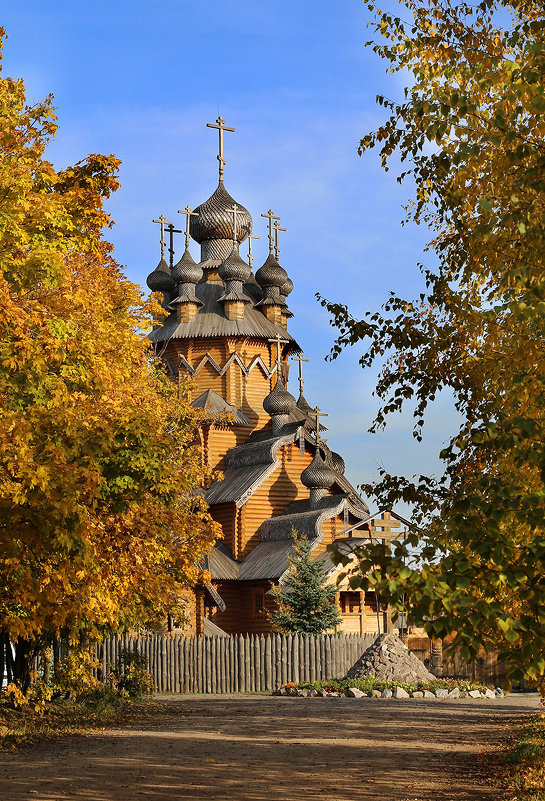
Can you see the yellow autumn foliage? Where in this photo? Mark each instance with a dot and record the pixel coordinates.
(101, 521)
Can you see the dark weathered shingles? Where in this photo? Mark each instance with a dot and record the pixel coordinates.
(236, 483)
(305, 520)
(221, 564)
(210, 321)
(267, 560)
(214, 404)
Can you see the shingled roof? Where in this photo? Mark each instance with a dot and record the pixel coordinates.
(210, 320)
(214, 404)
(251, 463)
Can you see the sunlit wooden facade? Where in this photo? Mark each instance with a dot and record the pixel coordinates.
(227, 331)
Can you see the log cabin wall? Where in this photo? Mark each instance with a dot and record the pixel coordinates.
(358, 612)
(275, 494)
(245, 392)
(220, 439)
(226, 515)
(247, 607)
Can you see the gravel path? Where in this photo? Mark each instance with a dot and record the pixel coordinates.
(277, 749)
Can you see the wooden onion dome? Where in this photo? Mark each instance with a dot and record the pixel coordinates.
(285, 290)
(212, 225)
(186, 274)
(271, 277)
(160, 280)
(279, 403)
(234, 271)
(318, 477)
(337, 463)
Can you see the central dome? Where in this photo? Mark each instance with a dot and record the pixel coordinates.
(214, 221)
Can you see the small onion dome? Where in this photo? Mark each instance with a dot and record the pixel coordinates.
(271, 274)
(216, 222)
(337, 463)
(279, 401)
(234, 268)
(303, 405)
(287, 287)
(318, 475)
(160, 280)
(187, 271)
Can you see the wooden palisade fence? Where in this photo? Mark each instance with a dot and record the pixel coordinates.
(238, 663)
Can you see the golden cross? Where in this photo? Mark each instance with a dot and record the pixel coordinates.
(188, 215)
(234, 212)
(271, 217)
(279, 341)
(250, 256)
(221, 128)
(276, 230)
(171, 232)
(317, 414)
(300, 360)
(163, 223)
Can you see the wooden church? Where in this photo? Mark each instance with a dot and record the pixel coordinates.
(227, 328)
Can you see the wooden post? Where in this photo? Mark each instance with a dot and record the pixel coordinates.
(170, 662)
(194, 664)
(304, 656)
(185, 655)
(295, 659)
(216, 686)
(327, 665)
(247, 684)
(240, 666)
(164, 658)
(285, 659)
(437, 657)
(232, 665)
(269, 678)
(256, 680)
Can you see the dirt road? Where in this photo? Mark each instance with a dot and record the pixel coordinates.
(276, 749)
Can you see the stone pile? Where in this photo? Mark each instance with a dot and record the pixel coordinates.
(397, 692)
(390, 659)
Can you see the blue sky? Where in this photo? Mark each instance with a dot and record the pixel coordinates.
(142, 79)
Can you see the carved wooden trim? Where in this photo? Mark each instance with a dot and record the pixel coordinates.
(257, 361)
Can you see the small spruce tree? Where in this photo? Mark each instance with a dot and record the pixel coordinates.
(306, 605)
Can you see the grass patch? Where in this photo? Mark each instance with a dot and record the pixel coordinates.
(368, 683)
(527, 756)
(24, 726)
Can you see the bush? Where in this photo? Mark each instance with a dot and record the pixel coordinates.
(74, 676)
(368, 683)
(130, 677)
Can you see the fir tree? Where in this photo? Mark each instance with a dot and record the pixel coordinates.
(305, 604)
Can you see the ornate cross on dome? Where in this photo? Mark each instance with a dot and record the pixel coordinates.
(317, 412)
(279, 341)
(250, 256)
(171, 232)
(271, 217)
(188, 215)
(300, 360)
(276, 230)
(163, 223)
(221, 126)
(234, 211)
